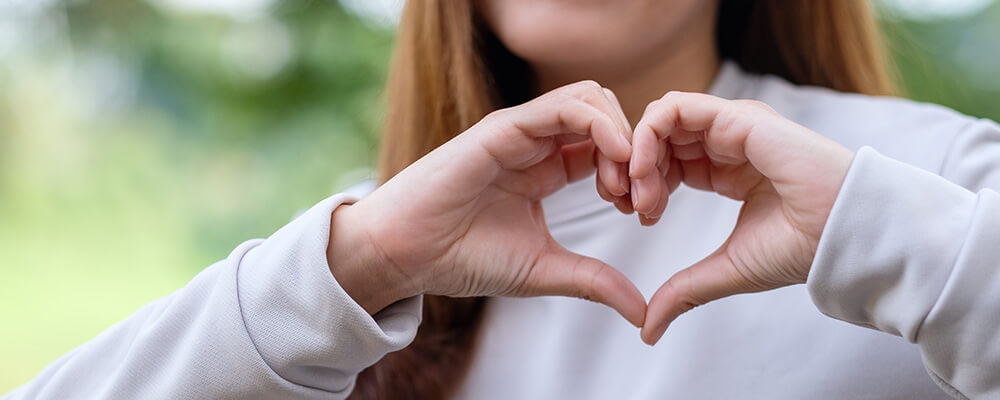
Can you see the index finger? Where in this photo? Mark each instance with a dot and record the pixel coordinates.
(680, 111)
(559, 112)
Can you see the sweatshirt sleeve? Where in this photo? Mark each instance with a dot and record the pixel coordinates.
(917, 254)
(269, 321)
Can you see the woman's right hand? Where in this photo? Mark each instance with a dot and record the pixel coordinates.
(466, 219)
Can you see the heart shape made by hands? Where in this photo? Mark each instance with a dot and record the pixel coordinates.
(787, 177)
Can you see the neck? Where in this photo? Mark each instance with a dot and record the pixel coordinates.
(690, 66)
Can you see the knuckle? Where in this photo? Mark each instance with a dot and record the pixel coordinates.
(563, 97)
(495, 116)
(610, 93)
(756, 104)
(653, 105)
(586, 277)
(590, 84)
(672, 95)
(495, 122)
(585, 88)
(686, 292)
(555, 98)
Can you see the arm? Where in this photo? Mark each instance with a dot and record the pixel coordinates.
(269, 321)
(880, 243)
(916, 255)
(277, 319)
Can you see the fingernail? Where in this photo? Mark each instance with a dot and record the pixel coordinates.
(618, 204)
(635, 192)
(643, 337)
(660, 333)
(623, 178)
(644, 220)
(622, 206)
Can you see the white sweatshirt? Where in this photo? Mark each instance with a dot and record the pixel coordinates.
(910, 251)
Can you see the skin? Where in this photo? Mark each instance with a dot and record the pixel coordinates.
(640, 49)
(466, 219)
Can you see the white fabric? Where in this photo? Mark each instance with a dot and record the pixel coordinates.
(268, 322)
(905, 252)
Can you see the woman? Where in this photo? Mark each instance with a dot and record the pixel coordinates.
(880, 241)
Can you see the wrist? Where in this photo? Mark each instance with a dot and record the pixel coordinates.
(358, 266)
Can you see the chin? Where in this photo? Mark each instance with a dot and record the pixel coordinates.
(574, 34)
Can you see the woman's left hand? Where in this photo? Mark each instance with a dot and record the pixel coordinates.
(787, 176)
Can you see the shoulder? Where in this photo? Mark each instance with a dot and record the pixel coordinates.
(913, 132)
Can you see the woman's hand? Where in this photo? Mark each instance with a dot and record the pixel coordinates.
(466, 219)
(787, 176)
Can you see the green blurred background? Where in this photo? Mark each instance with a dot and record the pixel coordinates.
(141, 140)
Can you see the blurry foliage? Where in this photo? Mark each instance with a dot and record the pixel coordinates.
(954, 62)
(140, 144)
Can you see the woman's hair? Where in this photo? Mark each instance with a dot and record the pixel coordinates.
(449, 70)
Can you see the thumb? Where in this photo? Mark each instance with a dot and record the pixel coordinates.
(563, 273)
(709, 279)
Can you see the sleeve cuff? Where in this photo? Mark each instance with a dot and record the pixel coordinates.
(304, 325)
(889, 245)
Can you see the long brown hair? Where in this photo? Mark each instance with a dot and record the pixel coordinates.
(449, 70)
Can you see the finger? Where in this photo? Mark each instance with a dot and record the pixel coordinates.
(697, 173)
(537, 181)
(619, 180)
(594, 94)
(571, 139)
(613, 100)
(674, 175)
(735, 181)
(548, 116)
(692, 151)
(646, 192)
(653, 217)
(624, 204)
(623, 177)
(645, 150)
(705, 281)
(602, 191)
(597, 96)
(578, 160)
(680, 136)
(699, 112)
(656, 125)
(560, 272)
(546, 177)
(692, 112)
(661, 204)
(646, 189)
(609, 174)
(665, 154)
(729, 138)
